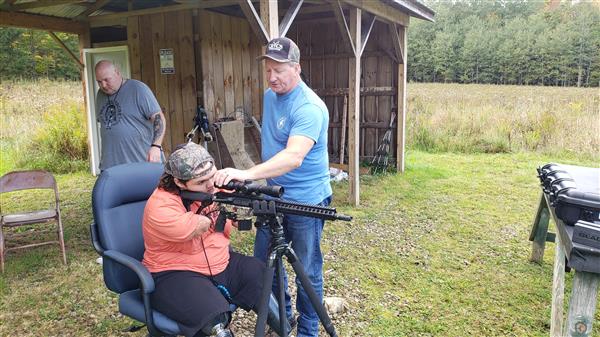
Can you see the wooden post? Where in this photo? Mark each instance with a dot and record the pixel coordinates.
(582, 306)
(558, 289)
(354, 107)
(539, 231)
(85, 42)
(269, 15)
(401, 134)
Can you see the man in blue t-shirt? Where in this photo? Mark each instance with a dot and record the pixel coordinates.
(294, 155)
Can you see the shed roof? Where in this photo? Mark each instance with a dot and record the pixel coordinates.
(83, 9)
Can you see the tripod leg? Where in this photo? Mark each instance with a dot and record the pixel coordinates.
(312, 295)
(283, 323)
(273, 317)
(263, 307)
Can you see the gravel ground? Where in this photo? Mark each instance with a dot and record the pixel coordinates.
(243, 323)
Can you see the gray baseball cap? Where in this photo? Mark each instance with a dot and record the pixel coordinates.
(282, 49)
(189, 161)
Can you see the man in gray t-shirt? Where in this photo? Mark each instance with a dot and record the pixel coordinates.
(132, 122)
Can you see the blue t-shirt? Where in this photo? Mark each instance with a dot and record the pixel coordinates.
(300, 112)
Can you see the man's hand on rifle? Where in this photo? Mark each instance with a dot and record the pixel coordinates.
(224, 176)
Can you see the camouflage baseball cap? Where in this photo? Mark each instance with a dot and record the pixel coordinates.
(282, 49)
(189, 161)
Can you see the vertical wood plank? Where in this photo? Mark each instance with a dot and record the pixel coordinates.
(206, 56)
(188, 69)
(353, 109)
(84, 41)
(269, 15)
(133, 40)
(317, 49)
(247, 63)
(147, 52)
(540, 231)
(257, 77)
(368, 136)
(197, 40)
(174, 81)
(401, 104)
(342, 66)
(330, 81)
(344, 127)
(162, 87)
(217, 69)
(558, 290)
(385, 78)
(304, 43)
(582, 306)
(226, 27)
(238, 77)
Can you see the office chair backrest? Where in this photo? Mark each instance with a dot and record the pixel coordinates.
(118, 202)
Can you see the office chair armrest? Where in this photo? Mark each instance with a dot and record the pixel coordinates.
(95, 241)
(146, 280)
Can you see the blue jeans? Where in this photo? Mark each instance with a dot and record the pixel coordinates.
(304, 233)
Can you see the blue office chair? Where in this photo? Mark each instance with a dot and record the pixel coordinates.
(118, 202)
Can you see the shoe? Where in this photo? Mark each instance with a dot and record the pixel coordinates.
(293, 322)
(99, 260)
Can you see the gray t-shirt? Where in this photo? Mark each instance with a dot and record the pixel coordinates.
(126, 130)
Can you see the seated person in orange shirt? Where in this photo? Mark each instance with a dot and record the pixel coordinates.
(187, 258)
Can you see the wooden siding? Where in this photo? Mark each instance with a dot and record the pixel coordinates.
(176, 93)
(324, 61)
(230, 74)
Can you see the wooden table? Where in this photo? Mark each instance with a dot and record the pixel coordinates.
(583, 259)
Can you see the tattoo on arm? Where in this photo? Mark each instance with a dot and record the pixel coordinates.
(159, 128)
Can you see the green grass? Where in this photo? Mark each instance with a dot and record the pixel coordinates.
(441, 250)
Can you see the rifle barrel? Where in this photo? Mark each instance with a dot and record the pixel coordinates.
(283, 206)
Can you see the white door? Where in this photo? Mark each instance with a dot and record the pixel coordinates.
(119, 56)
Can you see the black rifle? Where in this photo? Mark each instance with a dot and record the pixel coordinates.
(251, 195)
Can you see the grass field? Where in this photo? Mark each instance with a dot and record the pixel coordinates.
(437, 251)
(491, 119)
(441, 250)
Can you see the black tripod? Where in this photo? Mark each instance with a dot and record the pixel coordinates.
(267, 215)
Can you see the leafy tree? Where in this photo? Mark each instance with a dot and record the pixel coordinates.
(34, 53)
(502, 42)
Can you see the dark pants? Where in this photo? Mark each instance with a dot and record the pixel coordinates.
(193, 300)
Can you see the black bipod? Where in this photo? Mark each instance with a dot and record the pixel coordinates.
(267, 215)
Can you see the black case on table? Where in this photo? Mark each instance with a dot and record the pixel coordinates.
(574, 195)
(574, 191)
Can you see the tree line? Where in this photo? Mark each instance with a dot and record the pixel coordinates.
(507, 42)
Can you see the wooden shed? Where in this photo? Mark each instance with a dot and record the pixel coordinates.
(353, 54)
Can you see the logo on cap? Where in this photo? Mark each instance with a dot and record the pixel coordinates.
(275, 45)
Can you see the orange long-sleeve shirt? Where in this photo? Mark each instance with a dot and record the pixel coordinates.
(167, 224)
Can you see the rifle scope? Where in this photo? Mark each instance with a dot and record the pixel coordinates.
(252, 187)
